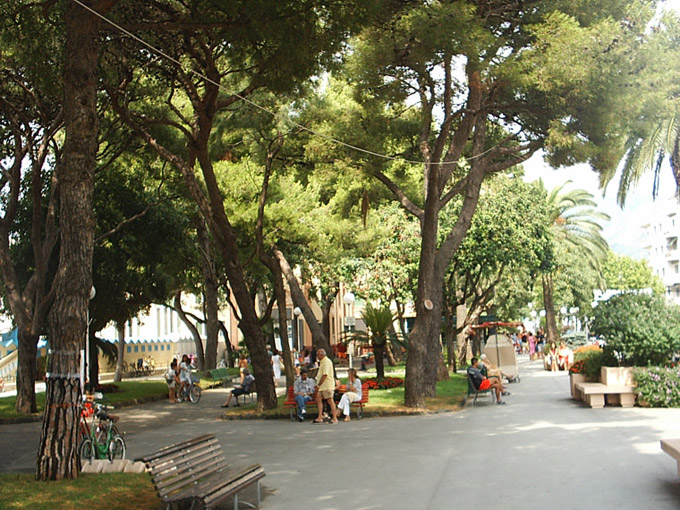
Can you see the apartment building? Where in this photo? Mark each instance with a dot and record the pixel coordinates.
(661, 245)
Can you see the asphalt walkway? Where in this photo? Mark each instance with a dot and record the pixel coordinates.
(541, 451)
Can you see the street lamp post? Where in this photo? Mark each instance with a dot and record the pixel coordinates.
(296, 328)
(348, 299)
(85, 365)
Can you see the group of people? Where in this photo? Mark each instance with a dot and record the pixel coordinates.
(527, 343)
(324, 387)
(558, 358)
(178, 377)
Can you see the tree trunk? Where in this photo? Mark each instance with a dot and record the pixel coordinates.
(280, 291)
(548, 303)
(461, 336)
(211, 204)
(57, 451)
(442, 371)
(318, 337)
(379, 354)
(120, 328)
(212, 327)
(26, 372)
(198, 343)
(227, 342)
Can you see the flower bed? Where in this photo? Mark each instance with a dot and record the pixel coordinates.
(383, 384)
(658, 387)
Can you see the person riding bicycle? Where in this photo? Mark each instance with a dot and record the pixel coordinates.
(185, 373)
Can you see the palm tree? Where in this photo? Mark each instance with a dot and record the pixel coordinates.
(379, 321)
(647, 151)
(575, 223)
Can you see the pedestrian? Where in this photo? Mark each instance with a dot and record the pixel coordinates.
(326, 384)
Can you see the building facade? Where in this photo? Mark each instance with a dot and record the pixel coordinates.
(661, 245)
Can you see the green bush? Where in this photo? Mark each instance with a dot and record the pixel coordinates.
(593, 359)
(658, 387)
(640, 330)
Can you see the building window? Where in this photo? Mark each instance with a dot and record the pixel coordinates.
(136, 348)
(143, 348)
(129, 348)
(155, 347)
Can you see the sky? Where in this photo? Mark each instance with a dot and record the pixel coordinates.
(624, 232)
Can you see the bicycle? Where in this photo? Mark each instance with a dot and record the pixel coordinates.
(191, 392)
(100, 440)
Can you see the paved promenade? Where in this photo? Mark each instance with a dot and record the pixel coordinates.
(541, 451)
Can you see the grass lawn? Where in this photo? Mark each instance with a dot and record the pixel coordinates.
(131, 390)
(110, 491)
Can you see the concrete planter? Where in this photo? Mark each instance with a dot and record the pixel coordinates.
(617, 376)
(574, 379)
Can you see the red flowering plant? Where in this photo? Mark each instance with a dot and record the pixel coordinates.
(578, 367)
(384, 383)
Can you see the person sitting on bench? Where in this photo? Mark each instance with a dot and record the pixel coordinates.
(242, 389)
(483, 383)
(304, 391)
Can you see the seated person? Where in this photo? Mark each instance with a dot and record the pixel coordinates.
(241, 389)
(482, 383)
(304, 391)
(352, 394)
(565, 357)
(493, 371)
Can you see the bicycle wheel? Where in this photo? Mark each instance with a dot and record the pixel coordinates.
(86, 452)
(195, 394)
(117, 448)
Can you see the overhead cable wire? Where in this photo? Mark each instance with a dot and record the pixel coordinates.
(259, 107)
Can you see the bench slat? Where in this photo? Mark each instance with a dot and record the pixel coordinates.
(185, 462)
(209, 485)
(169, 450)
(236, 485)
(188, 476)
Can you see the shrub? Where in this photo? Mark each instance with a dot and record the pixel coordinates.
(639, 329)
(658, 387)
(384, 383)
(587, 361)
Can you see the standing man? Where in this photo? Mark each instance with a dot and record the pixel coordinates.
(326, 383)
(303, 389)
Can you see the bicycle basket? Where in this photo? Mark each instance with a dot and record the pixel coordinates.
(195, 378)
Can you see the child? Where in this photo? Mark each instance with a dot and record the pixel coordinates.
(172, 380)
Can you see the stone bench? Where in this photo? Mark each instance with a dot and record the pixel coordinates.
(672, 448)
(593, 394)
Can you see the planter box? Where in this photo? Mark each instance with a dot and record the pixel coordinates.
(617, 376)
(575, 379)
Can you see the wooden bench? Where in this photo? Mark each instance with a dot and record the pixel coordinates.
(195, 473)
(672, 448)
(594, 393)
(221, 374)
(292, 405)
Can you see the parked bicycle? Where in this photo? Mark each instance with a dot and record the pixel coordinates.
(191, 392)
(100, 439)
